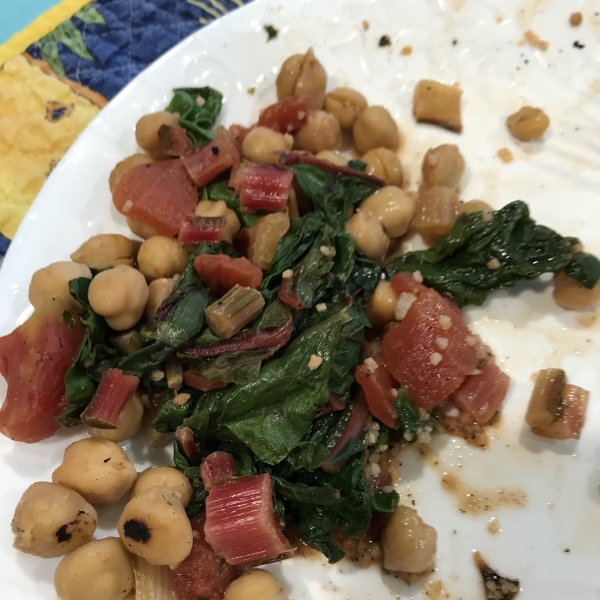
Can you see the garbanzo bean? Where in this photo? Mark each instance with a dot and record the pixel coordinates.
(210, 208)
(168, 477)
(255, 584)
(158, 291)
(161, 257)
(475, 206)
(528, 123)
(409, 545)
(264, 238)
(368, 234)
(53, 282)
(128, 424)
(443, 166)
(573, 295)
(264, 145)
(385, 164)
(375, 128)
(382, 304)
(438, 103)
(393, 207)
(100, 570)
(51, 520)
(146, 132)
(97, 469)
(345, 104)
(321, 131)
(333, 157)
(106, 250)
(303, 75)
(126, 165)
(119, 295)
(154, 526)
(141, 229)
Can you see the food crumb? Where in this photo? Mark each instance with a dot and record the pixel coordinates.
(328, 251)
(157, 375)
(493, 264)
(418, 276)
(406, 51)
(251, 90)
(499, 19)
(435, 358)
(314, 362)
(505, 155)
(181, 399)
(384, 40)
(321, 307)
(531, 38)
(405, 301)
(365, 25)
(577, 44)
(494, 526)
(441, 342)
(287, 274)
(272, 33)
(575, 19)
(567, 550)
(445, 322)
(371, 364)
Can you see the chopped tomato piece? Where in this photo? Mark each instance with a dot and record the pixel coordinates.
(378, 386)
(199, 382)
(481, 394)
(221, 272)
(428, 351)
(404, 282)
(265, 187)
(287, 115)
(196, 230)
(203, 574)
(34, 360)
(212, 159)
(160, 194)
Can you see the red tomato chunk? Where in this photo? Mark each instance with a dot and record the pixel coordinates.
(34, 360)
(160, 194)
(428, 351)
(378, 386)
(221, 272)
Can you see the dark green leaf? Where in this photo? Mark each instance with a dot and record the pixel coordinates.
(352, 447)
(199, 493)
(408, 413)
(169, 415)
(272, 33)
(385, 502)
(300, 492)
(585, 268)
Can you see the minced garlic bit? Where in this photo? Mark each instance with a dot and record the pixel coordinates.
(423, 414)
(445, 322)
(471, 340)
(405, 301)
(441, 342)
(373, 433)
(487, 216)
(475, 372)
(371, 364)
(452, 411)
(493, 264)
(375, 470)
(127, 206)
(435, 358)
(181, 399)
(407, 435)
(321, 307)
(424, 436)
(157, 375)
(394, 392)
(328, 251)
(417, 276)
(200, 101)
(287, 274)
(387, 489)
(314, 362)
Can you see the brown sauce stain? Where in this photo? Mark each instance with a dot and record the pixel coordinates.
(499, 19)
(505, 155)
(465, 427)
(406, 51)
(531, 38)
(494, 526)
(587, 319)
(435, 590)
(363, 553)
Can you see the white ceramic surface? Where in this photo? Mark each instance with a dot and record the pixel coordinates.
(552, 543)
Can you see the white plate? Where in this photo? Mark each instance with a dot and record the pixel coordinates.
(476, 44)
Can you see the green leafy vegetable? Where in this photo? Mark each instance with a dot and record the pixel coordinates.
(198, 109)
(480, 255)
(272, 33)
(199, 493)
(408, 413)
(585, 268)
(219, 190)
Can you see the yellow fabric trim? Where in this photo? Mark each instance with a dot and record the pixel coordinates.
(40, 27)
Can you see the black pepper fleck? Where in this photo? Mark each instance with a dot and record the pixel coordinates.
(215, 150)
(454, 42)
(272, 33)
(577, 44)
(384, 40)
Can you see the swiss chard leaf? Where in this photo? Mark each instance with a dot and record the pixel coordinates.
(408, 413)
(459, 264)
(365, 276)
(170, 415)
(585, 268)
(199, 493)
(198, 110)
(219, 190)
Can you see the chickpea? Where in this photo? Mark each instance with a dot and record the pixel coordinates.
(97, 469)
(209, 208)
(264, 145)
(382, 305)
(345, 104)
(321, 131)
(128, 424)
(443, 166)
(126, 165)
(264, 238)
(375, 128)
(141, 229)
(53, 282)
(368, 234)
(255, 584)
(303, 75)
(528, 123)
(154, 526)
(409, 545)
(475, 206)
(168, 477)
(385, 164)
(573, 295)
(161, 257)
(158, 291)
(119, 295)
(334, 158)
(105, 250)
(100, 570)
(146, 132)
(393, 207)
(51, 520)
